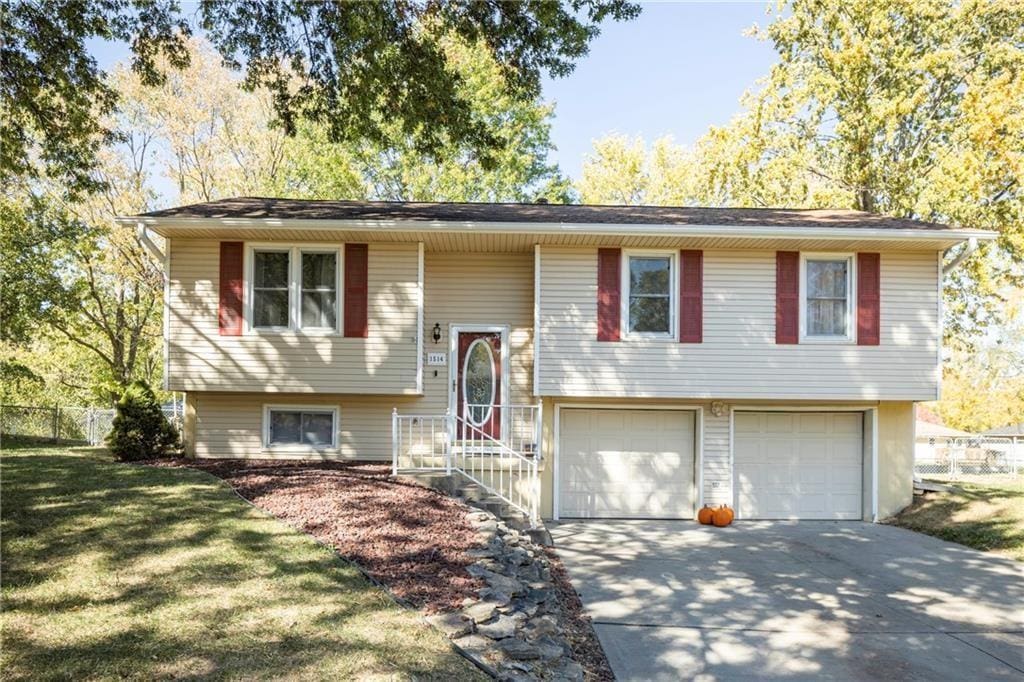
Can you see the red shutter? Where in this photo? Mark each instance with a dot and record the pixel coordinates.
(869, 297)
(229, 310)
(787, 296)
(356, 290)
(691, 296)
(609, 298)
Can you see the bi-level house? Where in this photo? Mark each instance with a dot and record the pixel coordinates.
(578, 361)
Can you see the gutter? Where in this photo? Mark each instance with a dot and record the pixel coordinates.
(142, 234)
(609, 229)
(969, 248)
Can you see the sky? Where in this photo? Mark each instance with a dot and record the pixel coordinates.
(677, 69)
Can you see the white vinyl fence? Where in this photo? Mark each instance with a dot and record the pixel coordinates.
(86, 425)
(964, 459)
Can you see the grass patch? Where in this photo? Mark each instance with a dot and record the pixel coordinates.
(120, 571)
(988, 517)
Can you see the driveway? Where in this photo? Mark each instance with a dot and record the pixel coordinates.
(794, 600)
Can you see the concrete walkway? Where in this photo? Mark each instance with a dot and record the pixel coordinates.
(794, 600)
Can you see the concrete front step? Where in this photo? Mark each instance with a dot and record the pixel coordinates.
(476, 495)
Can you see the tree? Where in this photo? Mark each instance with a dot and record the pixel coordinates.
(83, 290)
(357, 68)
(213, 139)
(140, 430)
(911, 108)
(983, 388)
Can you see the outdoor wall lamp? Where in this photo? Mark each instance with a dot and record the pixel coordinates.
(437, 332)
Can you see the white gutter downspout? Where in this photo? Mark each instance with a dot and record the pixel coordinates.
(970, 247)
(142, 233)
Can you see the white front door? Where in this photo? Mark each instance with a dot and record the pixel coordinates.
(617, 463)
(798, 465)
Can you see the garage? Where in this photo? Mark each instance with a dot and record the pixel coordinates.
(616, 463)
(798, 465)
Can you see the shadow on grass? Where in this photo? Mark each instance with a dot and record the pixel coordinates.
(985, 517)
(114, 570)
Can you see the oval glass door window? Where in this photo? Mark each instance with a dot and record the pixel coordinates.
(478, 382)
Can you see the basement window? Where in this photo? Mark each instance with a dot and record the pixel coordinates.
(304, 428)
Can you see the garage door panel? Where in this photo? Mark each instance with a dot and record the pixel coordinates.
(798, 465)
(626, 463)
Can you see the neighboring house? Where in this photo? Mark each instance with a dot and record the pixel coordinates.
(932, 442)
(643, 361)
(1014, 432)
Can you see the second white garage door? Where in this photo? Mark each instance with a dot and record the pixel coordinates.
(798, 465)
(625, 463)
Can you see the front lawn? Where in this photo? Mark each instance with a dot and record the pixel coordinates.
(119, 571)
(988, 517)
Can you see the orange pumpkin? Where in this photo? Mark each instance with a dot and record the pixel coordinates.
(705, 514)
(722, 516)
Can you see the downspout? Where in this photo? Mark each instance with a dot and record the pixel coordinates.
(142, 233)
(970, 247)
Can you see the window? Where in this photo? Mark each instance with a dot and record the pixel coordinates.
(270, 288)
(320, 290)
(649, 295)
(305, 428)
(827, 306)
(294, 288)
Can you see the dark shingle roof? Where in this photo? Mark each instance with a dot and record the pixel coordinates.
(285, 209)
(1010, 430)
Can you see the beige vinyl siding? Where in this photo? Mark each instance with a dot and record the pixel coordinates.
(231, 424)
(717, 466)
(203, 360)
(739, 357)
(481, 289)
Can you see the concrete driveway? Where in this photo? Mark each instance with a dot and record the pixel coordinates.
(794, 600)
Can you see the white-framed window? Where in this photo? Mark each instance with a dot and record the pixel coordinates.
(298, 427)
(827, 297)
(293, 288)
(649, 293)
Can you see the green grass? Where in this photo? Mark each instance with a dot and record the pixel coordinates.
(988, 517)
(119, 571)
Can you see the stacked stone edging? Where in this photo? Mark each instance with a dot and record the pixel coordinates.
(514, 629)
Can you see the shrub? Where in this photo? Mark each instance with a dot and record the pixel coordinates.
(140, 429)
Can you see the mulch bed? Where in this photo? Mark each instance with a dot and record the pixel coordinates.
(414, 540)
(410, 538)
(586, 649)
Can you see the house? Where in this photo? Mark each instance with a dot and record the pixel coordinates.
(579, 361)
(1013, 432)
(932, 446)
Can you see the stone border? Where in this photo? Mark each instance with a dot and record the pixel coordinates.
(515, 629)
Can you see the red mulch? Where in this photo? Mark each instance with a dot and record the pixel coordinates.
(586, 649)
(410, 538)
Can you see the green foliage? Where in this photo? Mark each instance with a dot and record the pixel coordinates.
(140, 429)
(213, 139)
(983, 388)
(53, 95)
(82, 297)
(36, 240)
(18, 380)
(913, 108)
(357, 68)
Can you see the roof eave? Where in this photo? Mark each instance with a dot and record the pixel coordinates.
(625, 229)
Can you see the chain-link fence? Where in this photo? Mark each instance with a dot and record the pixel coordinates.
(975, 458)
(85, 425)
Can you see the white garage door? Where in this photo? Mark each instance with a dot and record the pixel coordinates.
(798, 465)
(625, 463)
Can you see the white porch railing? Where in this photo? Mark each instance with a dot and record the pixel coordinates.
(505, 464)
